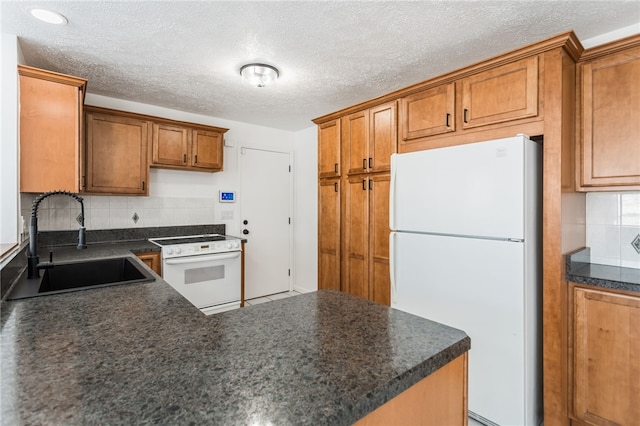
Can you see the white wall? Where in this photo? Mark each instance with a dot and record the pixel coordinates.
(11, 57)
(306, 210)
(611, 36)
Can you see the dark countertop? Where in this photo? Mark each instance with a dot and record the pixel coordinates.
(581, 270)
(140, 353)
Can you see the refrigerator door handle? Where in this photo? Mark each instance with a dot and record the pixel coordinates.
(392, 267)
(392, 193)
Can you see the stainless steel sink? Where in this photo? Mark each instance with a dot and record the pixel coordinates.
(82, 275)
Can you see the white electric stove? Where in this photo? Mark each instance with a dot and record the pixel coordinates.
(205, 269)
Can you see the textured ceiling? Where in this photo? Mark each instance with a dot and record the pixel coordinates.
(331, 54)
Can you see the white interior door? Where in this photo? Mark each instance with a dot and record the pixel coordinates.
(265, 220)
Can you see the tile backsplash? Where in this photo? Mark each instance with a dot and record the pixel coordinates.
(613, 224)
(58, 213)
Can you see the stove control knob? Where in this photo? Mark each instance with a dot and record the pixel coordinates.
(178, 250)
(228, 245)
(169, 250)
(236, 244)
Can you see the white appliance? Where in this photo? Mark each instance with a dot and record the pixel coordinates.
(465, 251)
(205, 269)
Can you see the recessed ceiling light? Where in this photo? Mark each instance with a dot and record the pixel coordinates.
(48, 16)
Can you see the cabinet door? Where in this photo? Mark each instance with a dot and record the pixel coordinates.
(610, 120)
(329, 234)
(383, 137)
(379, 274)
(170, 145)
(427, 113)
(152, 260)
(356, 231)
(329, 149)
(207, 149)
(355, 142)
(509, 92)
(50, 131)
(117, 154)
(606, 367)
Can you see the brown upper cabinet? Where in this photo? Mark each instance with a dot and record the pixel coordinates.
(117, 161)
(505, 93)
(369, 138)
(329, 149)
(51, 149)
(180, 146)
(427, 113)
(609, 143)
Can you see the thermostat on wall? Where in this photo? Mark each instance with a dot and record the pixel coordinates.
(227, 196)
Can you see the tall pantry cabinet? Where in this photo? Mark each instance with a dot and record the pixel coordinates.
(354, 202)
(329, 205)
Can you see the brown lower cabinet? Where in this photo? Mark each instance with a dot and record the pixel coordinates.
(153, 260)
(606, 357)
(438, 399)
(329, 234)
(366, 237)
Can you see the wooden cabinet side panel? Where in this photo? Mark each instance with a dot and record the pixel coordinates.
(329, 234)
(383, 137)
(170, 145)
(152, 260)
(117, 154)
(438, 399)
(355, 142)
(356, 234)
(606, 371)
(379, 274)
(207, 150)
(610, 124)
(329, 135)
(505, 93)
(428, 113)
(50, 125)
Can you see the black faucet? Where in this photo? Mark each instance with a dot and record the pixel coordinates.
(33, 261)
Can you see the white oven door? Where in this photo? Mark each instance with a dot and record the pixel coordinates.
(207, 280)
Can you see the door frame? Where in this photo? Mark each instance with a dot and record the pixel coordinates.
(290, 233)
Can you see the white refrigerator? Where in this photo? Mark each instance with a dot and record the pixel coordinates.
(465, 251)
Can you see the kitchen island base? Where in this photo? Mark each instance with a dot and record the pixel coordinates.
(438, 399)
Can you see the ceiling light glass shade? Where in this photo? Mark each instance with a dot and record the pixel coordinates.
(259, 75)
(48, 16)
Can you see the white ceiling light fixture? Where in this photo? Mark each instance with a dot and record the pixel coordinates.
(48, 16)
(259, 75)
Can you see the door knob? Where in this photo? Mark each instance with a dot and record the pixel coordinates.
(245, 231)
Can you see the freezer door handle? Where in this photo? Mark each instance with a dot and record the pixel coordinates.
(392, 193)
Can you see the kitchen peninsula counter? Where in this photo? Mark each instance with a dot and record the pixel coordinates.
(141, 353)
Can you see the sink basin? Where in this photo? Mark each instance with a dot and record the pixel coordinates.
(92, 273)
(82, 275)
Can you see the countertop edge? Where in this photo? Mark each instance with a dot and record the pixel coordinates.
(579, 269)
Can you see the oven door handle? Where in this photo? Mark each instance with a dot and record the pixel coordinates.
(194, 259)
